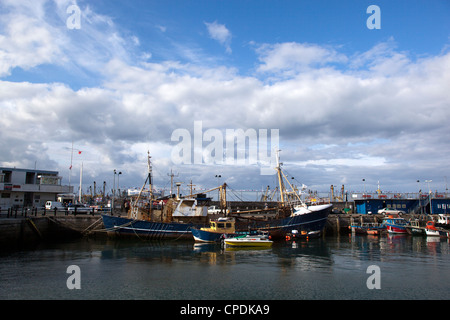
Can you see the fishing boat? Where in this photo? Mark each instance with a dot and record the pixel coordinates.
(432, 230)
(181, 216)
(443, 221)
(414, 228)
(367, 228)
(249, 241)
(218, 230)
(374, 231)
(395, 225)
(174, 221)
(293, 212)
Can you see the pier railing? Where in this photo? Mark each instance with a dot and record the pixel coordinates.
(23, 212)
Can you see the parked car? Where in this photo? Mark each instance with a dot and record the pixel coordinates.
(390, 211)
(213, 210)
(51, 205)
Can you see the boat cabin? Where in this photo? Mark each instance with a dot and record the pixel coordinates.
(221, 225)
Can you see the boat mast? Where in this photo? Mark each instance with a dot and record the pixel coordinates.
(149, 165)
(283, 191)
(280, 178)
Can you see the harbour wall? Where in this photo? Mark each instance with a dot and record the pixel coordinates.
(24, 230)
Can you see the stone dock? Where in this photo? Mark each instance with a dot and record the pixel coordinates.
(23, 231)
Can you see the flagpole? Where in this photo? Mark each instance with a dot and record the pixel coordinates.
(81, 179)
(70, 169)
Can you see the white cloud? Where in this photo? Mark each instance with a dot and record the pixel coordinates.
(379, 110)
(291, 57)
(220, 33)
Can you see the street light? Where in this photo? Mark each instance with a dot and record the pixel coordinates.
(218, 176)
(118, 184)
(114, 191)
(429, 194)
(420, 196)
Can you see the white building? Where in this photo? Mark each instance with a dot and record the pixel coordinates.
(29, 187)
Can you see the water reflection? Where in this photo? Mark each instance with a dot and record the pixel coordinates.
(323, 268)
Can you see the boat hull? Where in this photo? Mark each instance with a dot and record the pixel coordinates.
(395, 225)
(415, 231)
(126, 227)
(396, 229)
(208, 236)
(279, 228)
(248, 242)
(436, 233)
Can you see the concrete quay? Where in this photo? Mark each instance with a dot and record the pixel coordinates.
(24, 229)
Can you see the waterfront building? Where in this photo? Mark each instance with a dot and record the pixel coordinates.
(29, 187)
(417, 203)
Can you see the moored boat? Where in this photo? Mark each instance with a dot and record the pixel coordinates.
(367, 228)
(374, 231)
(414, 228)
(395, 225)
(432, 230)
(249, 241)
(182, 216)
(443, 221)
(218, 230)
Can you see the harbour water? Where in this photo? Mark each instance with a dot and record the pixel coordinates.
(334, 267)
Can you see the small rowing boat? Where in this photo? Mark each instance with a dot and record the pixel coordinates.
(249, 241)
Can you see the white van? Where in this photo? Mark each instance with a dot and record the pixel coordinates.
(51, 205)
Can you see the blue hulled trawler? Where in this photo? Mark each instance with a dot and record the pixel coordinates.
(180, 217)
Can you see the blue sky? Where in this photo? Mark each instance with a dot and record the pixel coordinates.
(349, 102)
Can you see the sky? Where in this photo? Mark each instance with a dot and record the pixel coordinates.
(346, 91)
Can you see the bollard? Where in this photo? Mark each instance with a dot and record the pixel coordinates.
(55, 211)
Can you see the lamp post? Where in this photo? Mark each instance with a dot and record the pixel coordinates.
(118, 184)
(429, 194)
(218, 176)
(114, 191)
(420, 196)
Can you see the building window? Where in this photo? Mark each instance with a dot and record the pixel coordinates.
(29, 179)
(7, 176)
(5, 195)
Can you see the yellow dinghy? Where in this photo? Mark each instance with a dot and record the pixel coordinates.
(249, 241)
